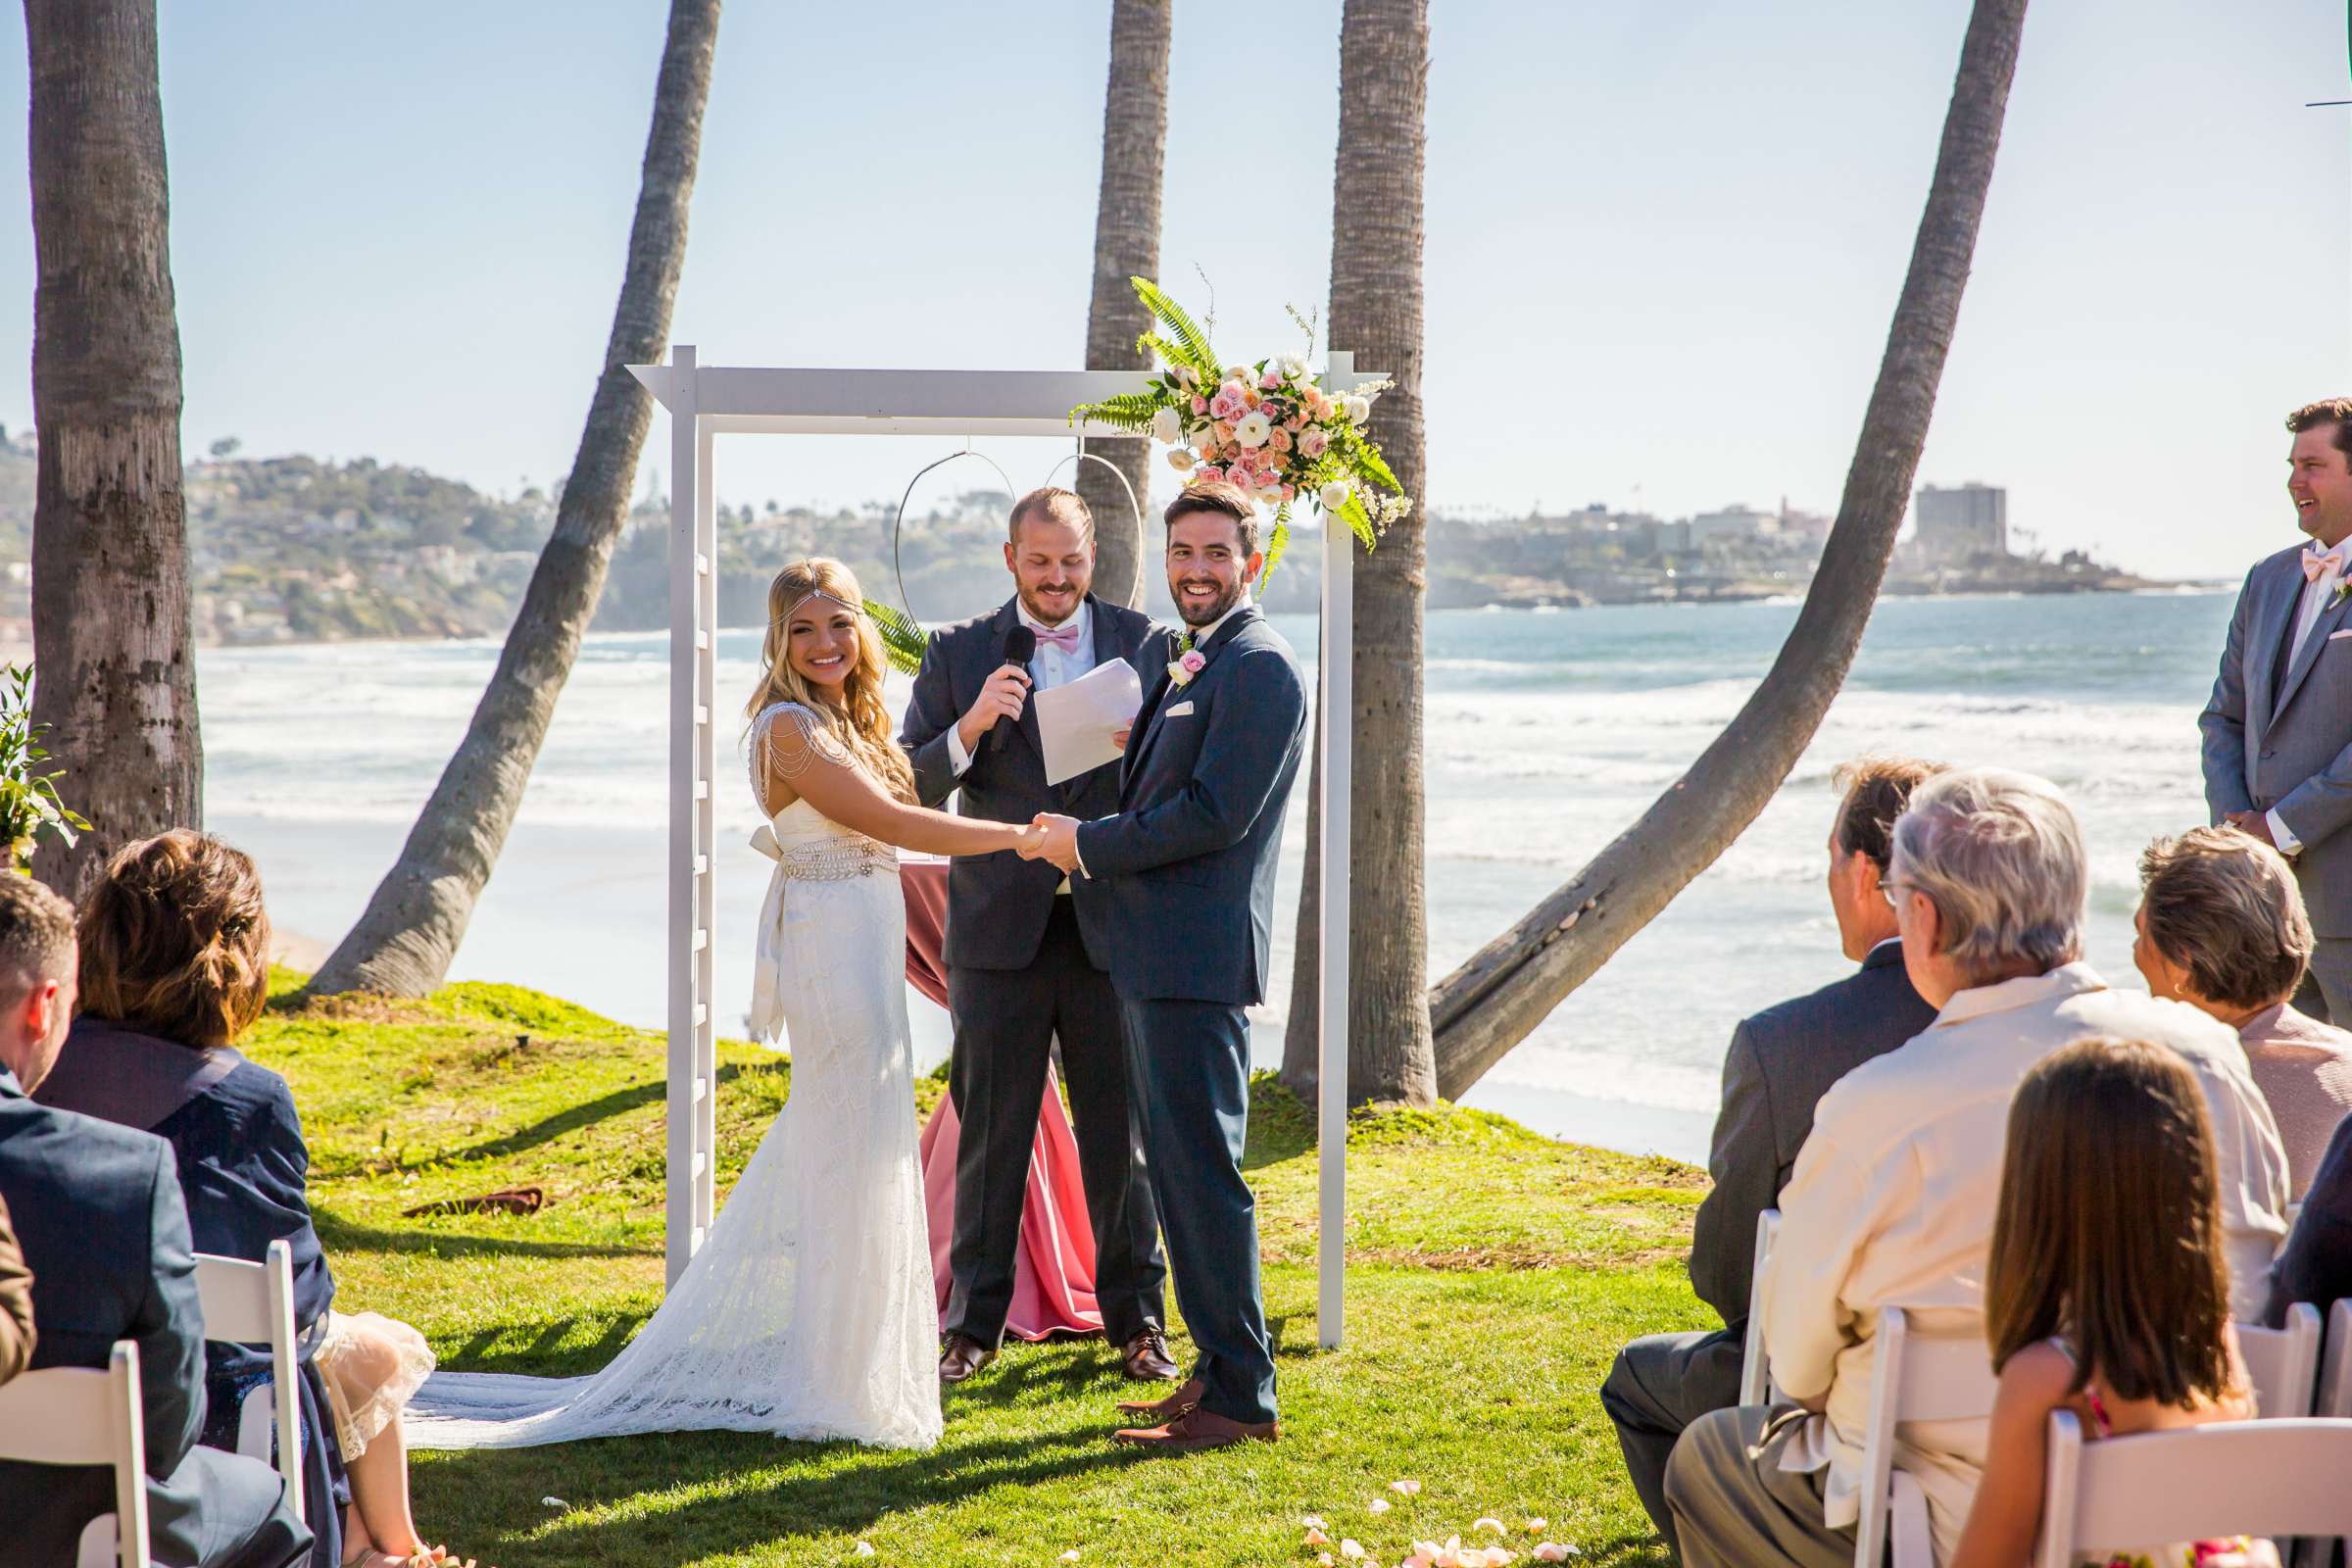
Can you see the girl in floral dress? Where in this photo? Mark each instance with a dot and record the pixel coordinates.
(2107, 1292)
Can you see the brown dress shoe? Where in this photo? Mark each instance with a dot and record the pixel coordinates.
(1195, 1430)
(962, 1358)
(1168, 1409)
(1145, 1358)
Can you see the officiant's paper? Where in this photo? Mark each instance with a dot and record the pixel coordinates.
(1076, 720)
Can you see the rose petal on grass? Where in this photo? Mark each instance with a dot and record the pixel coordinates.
(1404, 1489)
(1378, 1506)
(1534, 1527)
(865, 1549)
(1322, 1559)
(1314, 1521)
(1551, 1551)
(1316, 1537)
(1489, 1523)
(1351, 1551)
(553, 1502)
(1070, 1555)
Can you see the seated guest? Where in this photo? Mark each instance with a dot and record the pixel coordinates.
(97, 1211)
(175, 968)
(2316, 1264)
(1779, 1062)
(1891, 1203)
(2108, 1143)
(16, 1303)
(2222, 928)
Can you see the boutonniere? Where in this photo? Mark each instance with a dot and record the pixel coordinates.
(1187, 662)
(2344, 591)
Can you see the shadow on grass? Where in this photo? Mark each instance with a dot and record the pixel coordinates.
(817, 1489)
(347, 1236)
(619, 1103)
(544, 1357)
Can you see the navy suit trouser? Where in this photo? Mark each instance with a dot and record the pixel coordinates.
(1192, 1081)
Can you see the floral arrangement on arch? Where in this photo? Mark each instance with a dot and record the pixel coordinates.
(1269, 428)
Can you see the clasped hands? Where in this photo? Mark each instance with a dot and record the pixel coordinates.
(1048, 837)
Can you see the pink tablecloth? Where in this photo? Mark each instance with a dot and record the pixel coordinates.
(1054, 1267)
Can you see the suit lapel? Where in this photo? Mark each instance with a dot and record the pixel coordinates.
(2265, 663)
(1157, 708)
(2330, 618)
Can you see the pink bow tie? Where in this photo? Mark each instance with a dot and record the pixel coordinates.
(2317, 563)
(1064, 638)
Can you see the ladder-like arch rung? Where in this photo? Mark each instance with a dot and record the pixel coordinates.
(701, 865)
(702, 565)
(701, 1163)
(702, 639)
(701, 938)
(702, 1089)
(702, 1015)
(702, 789)
(701, 715)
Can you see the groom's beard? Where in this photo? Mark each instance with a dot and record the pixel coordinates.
(1214, 610)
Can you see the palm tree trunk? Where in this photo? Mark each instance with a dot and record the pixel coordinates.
(109, 563)
(403, 940)
(1376, 245)
(1493, 1001)
(1135, 134)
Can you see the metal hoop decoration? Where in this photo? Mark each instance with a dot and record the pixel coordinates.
(898, 523)
(1084, 456)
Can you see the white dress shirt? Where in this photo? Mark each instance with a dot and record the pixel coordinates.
(2316, 594)
(1893, 1200)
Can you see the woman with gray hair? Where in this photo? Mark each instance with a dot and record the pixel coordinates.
(2222, 927)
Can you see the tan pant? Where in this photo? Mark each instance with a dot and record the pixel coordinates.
(1732, 1510)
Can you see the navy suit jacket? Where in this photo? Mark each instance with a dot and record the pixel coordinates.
(1202, 791)
(2316, 1264)
(98, 1213)
(1780, 1062)
(998, 904)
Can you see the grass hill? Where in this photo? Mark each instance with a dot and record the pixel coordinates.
(1492, 1274)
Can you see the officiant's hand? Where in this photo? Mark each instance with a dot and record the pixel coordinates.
(1118, 737)
(1059, 844)
(1000, 697)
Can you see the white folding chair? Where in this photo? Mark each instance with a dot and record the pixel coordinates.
(253, 1304)
(1913, 1377)
(2334, 1401)
(2281, 1477)
(80, 1415)
(2284, 1363)
(1754, 1383)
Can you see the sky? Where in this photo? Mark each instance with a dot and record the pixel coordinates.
(1664, 241)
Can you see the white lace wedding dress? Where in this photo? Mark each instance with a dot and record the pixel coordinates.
(809, 1310)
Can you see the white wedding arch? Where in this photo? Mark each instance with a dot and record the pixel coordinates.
(705, 402)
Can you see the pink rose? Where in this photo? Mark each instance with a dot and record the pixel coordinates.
(1208, 474)
(1294, 423)
(1227, 405)
(1223, 431)
(1280, 440)
(1313, 444)
(1193, 661)
(1200, 404)
(1290, 493)
(1271, 380)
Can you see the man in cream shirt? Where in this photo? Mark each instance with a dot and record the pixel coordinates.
(1893, 1200)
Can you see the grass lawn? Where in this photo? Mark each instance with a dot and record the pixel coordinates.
(1492, 1273)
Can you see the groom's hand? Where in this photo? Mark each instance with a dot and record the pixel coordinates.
(1060, 844)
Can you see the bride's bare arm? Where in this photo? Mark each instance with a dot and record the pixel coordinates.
(810, 762)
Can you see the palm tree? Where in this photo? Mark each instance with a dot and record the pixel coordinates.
(405, 939)
(1376, 311)
(1493, 1001)
(110, 561)
(1135, 134)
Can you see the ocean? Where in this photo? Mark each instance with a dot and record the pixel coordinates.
(1546, 734)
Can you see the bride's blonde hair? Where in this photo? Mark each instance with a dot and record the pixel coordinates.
(857, 717)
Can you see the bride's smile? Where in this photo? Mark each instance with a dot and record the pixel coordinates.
(825, 651)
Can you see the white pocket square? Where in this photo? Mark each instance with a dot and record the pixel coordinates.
(2335, 635)
(1179, 711)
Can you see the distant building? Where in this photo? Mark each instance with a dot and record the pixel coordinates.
(1963, 520)
(1733, 522)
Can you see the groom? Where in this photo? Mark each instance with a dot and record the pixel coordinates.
(1189, 865)
(1026, 951)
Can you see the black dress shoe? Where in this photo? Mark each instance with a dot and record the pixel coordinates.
(963, 1357)
(1145, 1358)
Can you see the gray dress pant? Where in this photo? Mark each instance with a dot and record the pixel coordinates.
(1735, 1507)
(1660, 1384)
(2327, 992)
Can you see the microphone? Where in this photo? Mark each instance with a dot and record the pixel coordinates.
(1020, 646)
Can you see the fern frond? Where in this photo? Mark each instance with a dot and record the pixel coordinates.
(1181, 326)
(1277, 545)
(902, 638)
(1167, 353)
(1369, 459)
(1129, 410)
(1358, 521)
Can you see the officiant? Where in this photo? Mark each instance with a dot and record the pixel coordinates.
(1026, 953)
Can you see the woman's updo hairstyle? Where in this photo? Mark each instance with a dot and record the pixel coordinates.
(174, 940)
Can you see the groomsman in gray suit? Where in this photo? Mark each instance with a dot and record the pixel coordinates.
(1187, 867)
(2279, 727)
(1026, 951)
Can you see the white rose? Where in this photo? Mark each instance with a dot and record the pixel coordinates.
(1334, 494)
(1187, 378)
(1358, 410)
(1253, 429)
(1292, 367)
(1181, 459)
(1166, 425)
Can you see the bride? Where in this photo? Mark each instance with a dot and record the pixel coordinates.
(809, 1310)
